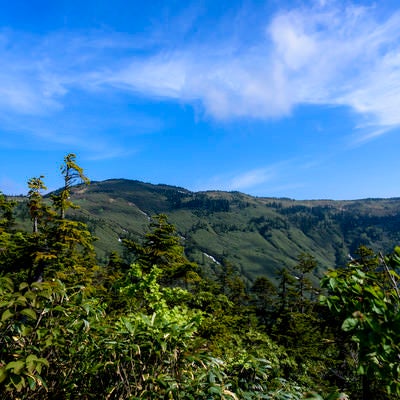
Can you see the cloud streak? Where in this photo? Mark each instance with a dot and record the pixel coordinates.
(256, 177)
(341, 56)
(325, 54)
(251, 178)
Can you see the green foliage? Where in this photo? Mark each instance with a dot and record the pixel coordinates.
(72, 174)
(257, 235)
(162, 328)
(53, 336)
(41, 326)
(365, 298)
(162, 247)
(36, 207)
(6, 213)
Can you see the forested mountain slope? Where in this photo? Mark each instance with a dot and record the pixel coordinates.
(152, 324)
(256, 235)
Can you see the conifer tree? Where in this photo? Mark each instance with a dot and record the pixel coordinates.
(162, 247)
(6, 222)
(232, 284)
(35, 202)
(306, 264)
(16, 247)
(6, 213)
(264, 299)
(286, 283)
(70, 241)
(72, 174)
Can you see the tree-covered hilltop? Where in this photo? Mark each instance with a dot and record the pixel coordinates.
(149, 323)
(257, 235)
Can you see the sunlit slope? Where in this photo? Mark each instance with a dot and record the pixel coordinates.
(257, 235)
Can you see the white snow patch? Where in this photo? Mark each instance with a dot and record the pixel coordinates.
(212, 258)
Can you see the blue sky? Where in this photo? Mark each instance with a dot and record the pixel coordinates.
(296, 99)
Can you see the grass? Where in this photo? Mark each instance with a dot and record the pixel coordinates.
(257, 235)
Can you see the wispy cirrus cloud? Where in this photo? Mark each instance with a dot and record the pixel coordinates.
(275, 178)
(49, 92)
(247, 179)
(328, 53)
(251, 178)
(322, 55)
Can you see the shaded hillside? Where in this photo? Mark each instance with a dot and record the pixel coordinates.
(257, 235)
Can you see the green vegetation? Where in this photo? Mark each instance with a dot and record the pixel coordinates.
(259, 236)
(146, 322)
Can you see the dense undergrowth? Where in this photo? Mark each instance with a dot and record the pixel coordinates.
(152, 325)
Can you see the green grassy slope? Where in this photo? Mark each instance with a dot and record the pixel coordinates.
(257, 235)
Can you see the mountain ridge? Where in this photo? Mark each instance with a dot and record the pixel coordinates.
(258, 235)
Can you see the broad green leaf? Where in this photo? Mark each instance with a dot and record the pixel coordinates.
(29, 313)
(6, 284)
(7, 314)
(332, 283)
(31, 382)
(128, 325)
(374, 291)
(31, 362)
(360, 273)
(23, 286)
(215, 390)
(378, 310)
(26, 330)
(349, 324)
(21, 300)
(31, 358)
(40, 363)
(16, 366)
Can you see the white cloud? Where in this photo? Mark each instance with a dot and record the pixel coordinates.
(100, 153)
(293, 45)
(161, 76)
(20, 95)
(323, 54)
(251, 178)
(349, 59)
(245, 180)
